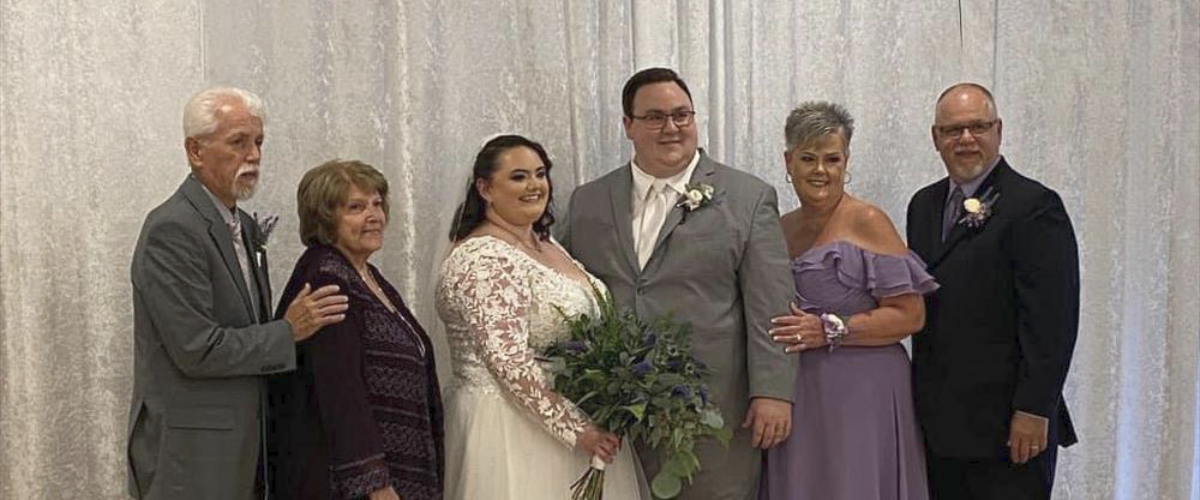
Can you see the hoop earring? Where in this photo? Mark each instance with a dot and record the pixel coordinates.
(846, 178)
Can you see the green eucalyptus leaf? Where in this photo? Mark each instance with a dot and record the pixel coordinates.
(679, 465)
(666, 485)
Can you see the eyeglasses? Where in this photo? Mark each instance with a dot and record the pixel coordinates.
(655, 121)
(956, 131)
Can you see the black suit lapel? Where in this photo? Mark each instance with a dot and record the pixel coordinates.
(961, 231)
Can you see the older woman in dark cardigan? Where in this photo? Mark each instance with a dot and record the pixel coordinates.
(361, 417)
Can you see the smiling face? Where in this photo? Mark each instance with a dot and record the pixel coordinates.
(226, 161)
(518, 188)
(966, 154)
(818, 169)
(360, 224)
(665, 151)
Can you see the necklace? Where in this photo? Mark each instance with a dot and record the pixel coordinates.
(382, 297)
(536, 247)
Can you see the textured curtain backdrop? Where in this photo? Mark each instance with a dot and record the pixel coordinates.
(1100, 99)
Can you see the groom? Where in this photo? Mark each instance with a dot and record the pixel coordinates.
(721, 266)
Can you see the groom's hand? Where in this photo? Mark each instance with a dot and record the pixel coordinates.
(769, 421)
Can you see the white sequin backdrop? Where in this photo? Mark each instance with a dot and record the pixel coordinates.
(1101, 100)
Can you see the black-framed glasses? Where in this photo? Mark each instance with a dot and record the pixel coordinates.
(655, 121)
(956, 131)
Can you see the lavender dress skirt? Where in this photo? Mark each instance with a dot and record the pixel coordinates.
(855, 434)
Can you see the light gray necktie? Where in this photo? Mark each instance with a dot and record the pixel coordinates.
(654, 213)
(244, 261)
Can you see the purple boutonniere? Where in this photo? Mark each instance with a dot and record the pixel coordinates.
(266, 225)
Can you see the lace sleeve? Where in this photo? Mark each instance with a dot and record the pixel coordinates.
(494, 296)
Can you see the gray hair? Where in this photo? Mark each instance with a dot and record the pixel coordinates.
(815, 119)
(199, 117)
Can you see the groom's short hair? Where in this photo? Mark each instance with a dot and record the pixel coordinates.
(646, 77)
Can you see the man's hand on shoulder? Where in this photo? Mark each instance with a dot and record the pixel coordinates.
(769, 421)
(312, 310)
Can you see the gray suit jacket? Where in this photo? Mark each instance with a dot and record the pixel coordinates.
(724, 269)
(195, 419)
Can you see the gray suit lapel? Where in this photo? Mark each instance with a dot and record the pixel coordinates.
(222, 238)
(621, 196)
(252, 234)
(703, 173)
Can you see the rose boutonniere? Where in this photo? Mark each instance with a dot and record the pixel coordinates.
(266, 225)
(977, 210)
(696, 196)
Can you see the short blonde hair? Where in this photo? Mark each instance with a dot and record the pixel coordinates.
(325, 188)
(815, 119)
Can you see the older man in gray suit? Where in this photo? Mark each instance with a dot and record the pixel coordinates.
(720, 264)
(201, 303)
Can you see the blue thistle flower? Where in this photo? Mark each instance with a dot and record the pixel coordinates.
(681, 392)
(650, 341)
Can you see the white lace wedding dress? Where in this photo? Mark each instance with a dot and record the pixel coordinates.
(508, 435)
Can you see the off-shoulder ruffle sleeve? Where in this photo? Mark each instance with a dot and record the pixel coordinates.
(882, 275)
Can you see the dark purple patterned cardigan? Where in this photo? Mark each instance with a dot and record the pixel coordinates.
(363, 410)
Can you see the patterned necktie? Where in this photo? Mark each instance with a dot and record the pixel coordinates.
(244, 261)
(950, 215)
(239, 248)
(654, 213)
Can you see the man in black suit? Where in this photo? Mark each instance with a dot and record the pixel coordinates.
(990, 364)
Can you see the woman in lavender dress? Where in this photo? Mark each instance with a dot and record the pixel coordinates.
(859, 294)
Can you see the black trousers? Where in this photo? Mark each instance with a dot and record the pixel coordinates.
(973, 479)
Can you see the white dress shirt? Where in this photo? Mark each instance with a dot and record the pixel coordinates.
(652, 200)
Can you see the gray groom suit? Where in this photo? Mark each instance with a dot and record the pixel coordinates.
(196, 415)
(724, 269)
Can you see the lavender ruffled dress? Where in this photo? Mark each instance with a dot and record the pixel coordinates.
(855, 434)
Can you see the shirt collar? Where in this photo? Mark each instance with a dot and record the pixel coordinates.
(225, 212)
(969, 187)
(643, 181)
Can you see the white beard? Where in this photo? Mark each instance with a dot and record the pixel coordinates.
(243, 190)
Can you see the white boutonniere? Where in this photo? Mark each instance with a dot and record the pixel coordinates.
(266, 225)
(696, 196)
(977, 210)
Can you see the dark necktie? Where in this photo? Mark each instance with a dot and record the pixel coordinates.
(950, 215)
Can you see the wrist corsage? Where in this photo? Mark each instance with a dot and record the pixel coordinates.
(836, 329)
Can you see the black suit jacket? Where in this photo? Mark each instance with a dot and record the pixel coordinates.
(1001, 329)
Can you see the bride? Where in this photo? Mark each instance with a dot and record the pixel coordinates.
(504, 291)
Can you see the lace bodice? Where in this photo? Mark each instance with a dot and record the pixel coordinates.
(501, 308)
